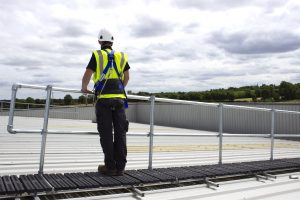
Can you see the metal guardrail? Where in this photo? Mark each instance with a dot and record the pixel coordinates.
(49, 89)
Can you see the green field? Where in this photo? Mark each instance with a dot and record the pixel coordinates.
(292, 101)
(244, 100)
(250, 100)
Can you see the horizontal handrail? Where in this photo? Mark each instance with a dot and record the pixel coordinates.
(21, 85)
(185, 102)
(245, 135)
(247, 107)
(158, 134)
(287, 135)
(136, 97)
(260, 109)
(287, 111)
(12, 130)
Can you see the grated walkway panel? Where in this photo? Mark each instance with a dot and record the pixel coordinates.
(2, 187)
(156, 174)
(144, 178)
(104, 181)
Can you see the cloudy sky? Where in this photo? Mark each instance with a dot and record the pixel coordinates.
(173, 45)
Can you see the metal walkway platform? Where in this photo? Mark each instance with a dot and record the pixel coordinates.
(48, 184)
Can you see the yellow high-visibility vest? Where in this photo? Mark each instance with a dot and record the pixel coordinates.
(101, 61)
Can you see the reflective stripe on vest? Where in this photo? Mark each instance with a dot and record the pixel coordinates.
(101, 61)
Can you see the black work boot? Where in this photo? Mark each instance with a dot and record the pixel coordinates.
(104, 170)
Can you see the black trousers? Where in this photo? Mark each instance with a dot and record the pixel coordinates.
(111, 118)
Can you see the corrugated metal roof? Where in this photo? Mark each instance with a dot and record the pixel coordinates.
(19, 154)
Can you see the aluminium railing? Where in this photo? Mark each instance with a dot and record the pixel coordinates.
(44, 131)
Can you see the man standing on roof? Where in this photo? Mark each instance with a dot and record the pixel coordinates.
(110, 70)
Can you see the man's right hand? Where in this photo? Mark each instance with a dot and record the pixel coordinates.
(85, 81)
(86, 91)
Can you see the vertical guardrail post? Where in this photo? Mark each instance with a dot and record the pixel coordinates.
(45, 129)
(14, 90)
(272, 133)
(220, 132)
(152, 101)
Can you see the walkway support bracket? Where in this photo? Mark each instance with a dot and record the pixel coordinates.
(209, 183)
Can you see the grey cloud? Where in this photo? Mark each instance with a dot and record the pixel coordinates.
(138, 56)
(151, 27)
(30, 68)
(295, 78)
(294, 9)
(108, 4)
(44, 81)
(295, 59)
(38, 46)
(38, 61)
(40, 75)
(42, 55)
(4, 83)
(196, 74)
(207, 75)
(152, 74)
(158, 52)
(73, 63)
(70, 29)
(289, 71)
(221, 4)
(157, 78)
(26, 63)
(208, 4)
(256, 42)
(75, 47)
(190, 28)
(17, 4)
(65, 47)
(295, 63)
(149, 54)
(213, 55)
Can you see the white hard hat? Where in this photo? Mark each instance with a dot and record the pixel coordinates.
(105, 35)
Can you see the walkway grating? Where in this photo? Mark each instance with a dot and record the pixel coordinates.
(34, 184)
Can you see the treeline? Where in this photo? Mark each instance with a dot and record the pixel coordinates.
(30, 102)
(264, 93)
